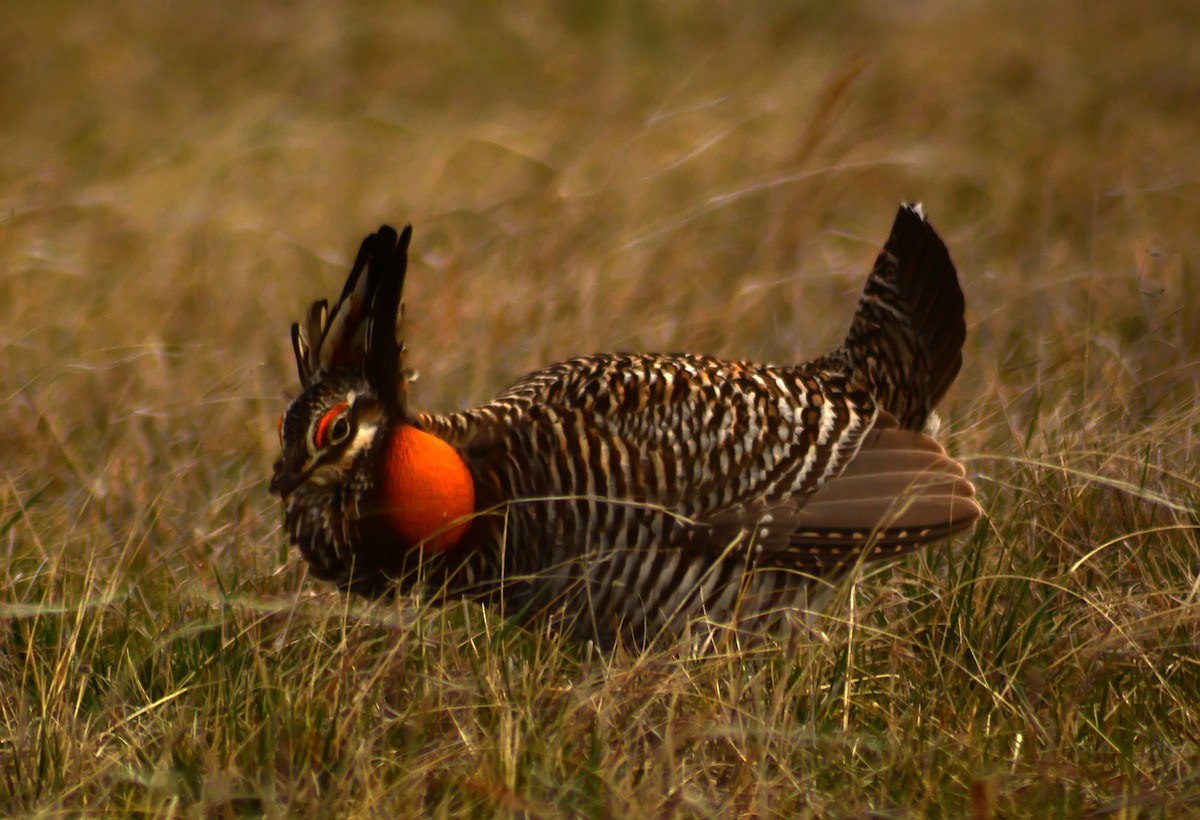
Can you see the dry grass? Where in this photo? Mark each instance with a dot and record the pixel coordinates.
(176, 185)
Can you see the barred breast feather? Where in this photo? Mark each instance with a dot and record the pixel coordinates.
(647, 474)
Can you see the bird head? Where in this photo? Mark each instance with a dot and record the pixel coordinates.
(362, 484)
(351, 372)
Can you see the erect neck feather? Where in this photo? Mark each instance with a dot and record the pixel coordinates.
(427, 491)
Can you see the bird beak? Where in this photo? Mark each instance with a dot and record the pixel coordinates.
(284, 482)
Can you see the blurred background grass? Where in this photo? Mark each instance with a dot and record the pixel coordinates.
(178, 183)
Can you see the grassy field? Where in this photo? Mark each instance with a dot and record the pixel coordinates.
(714, 177)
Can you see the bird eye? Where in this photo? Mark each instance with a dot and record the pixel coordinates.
(340, 431)
(334, 426)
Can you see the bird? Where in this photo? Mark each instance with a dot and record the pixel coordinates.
(629, 497)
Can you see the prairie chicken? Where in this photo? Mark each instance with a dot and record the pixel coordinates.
(623, 494)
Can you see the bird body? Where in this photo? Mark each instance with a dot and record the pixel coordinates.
(629, 495)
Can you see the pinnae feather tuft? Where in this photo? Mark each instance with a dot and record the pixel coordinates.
(360, 332)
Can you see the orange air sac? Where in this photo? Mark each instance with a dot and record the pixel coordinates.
(426, 488)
